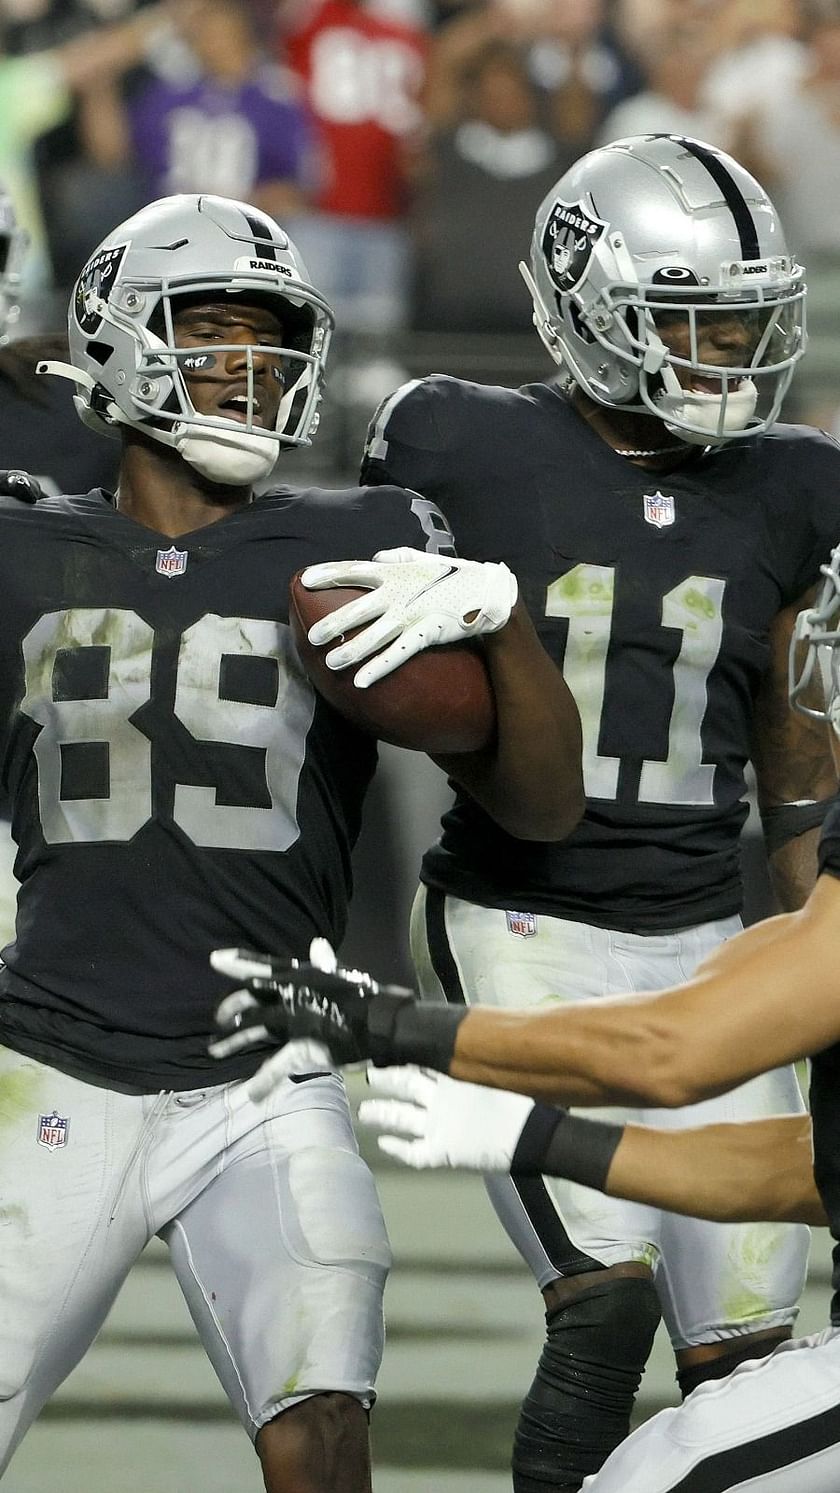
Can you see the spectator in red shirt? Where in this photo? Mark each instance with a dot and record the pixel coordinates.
(363, 76)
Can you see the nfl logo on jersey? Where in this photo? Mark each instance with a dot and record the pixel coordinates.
(521, 924)
(659, 510)
(171, 561)
(52, 1131)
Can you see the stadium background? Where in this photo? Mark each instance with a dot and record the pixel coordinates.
(405, 144)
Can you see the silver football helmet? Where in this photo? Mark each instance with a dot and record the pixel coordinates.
(814, 657)
(124, 360)
(658, 229)
(13, 245)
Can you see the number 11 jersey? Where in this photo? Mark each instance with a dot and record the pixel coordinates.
(655, 593)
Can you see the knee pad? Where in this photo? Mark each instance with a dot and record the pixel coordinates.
(718, 1368)
(579, 1405)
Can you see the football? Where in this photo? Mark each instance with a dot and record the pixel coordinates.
(439, 701)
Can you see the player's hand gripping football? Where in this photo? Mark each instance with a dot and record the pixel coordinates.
(342, 1015)
(415, 601)
(430, 1120)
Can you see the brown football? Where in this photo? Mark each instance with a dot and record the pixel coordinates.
(439, 701)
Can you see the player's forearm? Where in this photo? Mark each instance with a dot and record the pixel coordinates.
(793, 870)
(756, 1171)
(777, 1003)
(113, 49)
(562, 1056)
(531, 783)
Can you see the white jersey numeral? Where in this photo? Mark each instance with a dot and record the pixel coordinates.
(585, 595)
(104, 722)
(124, 644)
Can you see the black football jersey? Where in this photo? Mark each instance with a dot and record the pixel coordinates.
(825, 1089)
(177, 785)
(655, 593)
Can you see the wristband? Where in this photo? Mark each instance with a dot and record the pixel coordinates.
(409, 1031)
(554, 1143)
(787, 821)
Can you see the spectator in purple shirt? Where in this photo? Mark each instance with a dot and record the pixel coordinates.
(236, 126)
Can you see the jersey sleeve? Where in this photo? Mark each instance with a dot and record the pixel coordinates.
(407, 439)
(404, 517)
(357, 522)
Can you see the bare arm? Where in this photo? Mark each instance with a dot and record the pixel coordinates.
(793, 760)
(113, 49)
(767, 997)
(531, 781)
(103, 126)
(760, 1170)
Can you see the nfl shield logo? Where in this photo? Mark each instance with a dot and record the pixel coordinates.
(171, 561)
(659, 510)
(52, 1131)
(522, 924)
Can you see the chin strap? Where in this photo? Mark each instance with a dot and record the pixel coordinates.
(238, 460)
(698, 417)
(704, 412)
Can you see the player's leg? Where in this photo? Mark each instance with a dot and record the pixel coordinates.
(773, 1424)
(730, 1292)
(71, 1227)
(593, 1257)
(282, 1255)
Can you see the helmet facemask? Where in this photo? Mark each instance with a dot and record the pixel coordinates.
(642, 374)
(226, 449)
(746, 394)
(814, 657)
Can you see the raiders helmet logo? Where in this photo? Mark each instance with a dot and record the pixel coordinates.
(569, 237)
(94, 287)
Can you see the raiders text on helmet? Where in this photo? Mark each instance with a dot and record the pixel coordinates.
(122, 340)
(656, 228)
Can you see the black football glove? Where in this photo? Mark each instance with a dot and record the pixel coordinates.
(345, 1012)
(17, 484)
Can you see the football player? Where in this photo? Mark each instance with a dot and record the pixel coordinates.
(173, 777)
(768, 996)
(39, 433)
(665, 530)
(29, 406)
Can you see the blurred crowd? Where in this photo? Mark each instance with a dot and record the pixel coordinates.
(406, 143)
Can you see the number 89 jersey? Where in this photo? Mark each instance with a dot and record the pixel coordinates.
(655, 593)
(176, 784)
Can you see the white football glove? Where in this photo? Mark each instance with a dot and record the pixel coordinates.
(415, 600)
(435, 1121)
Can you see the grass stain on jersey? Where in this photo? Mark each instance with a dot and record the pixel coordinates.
(697, 603)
